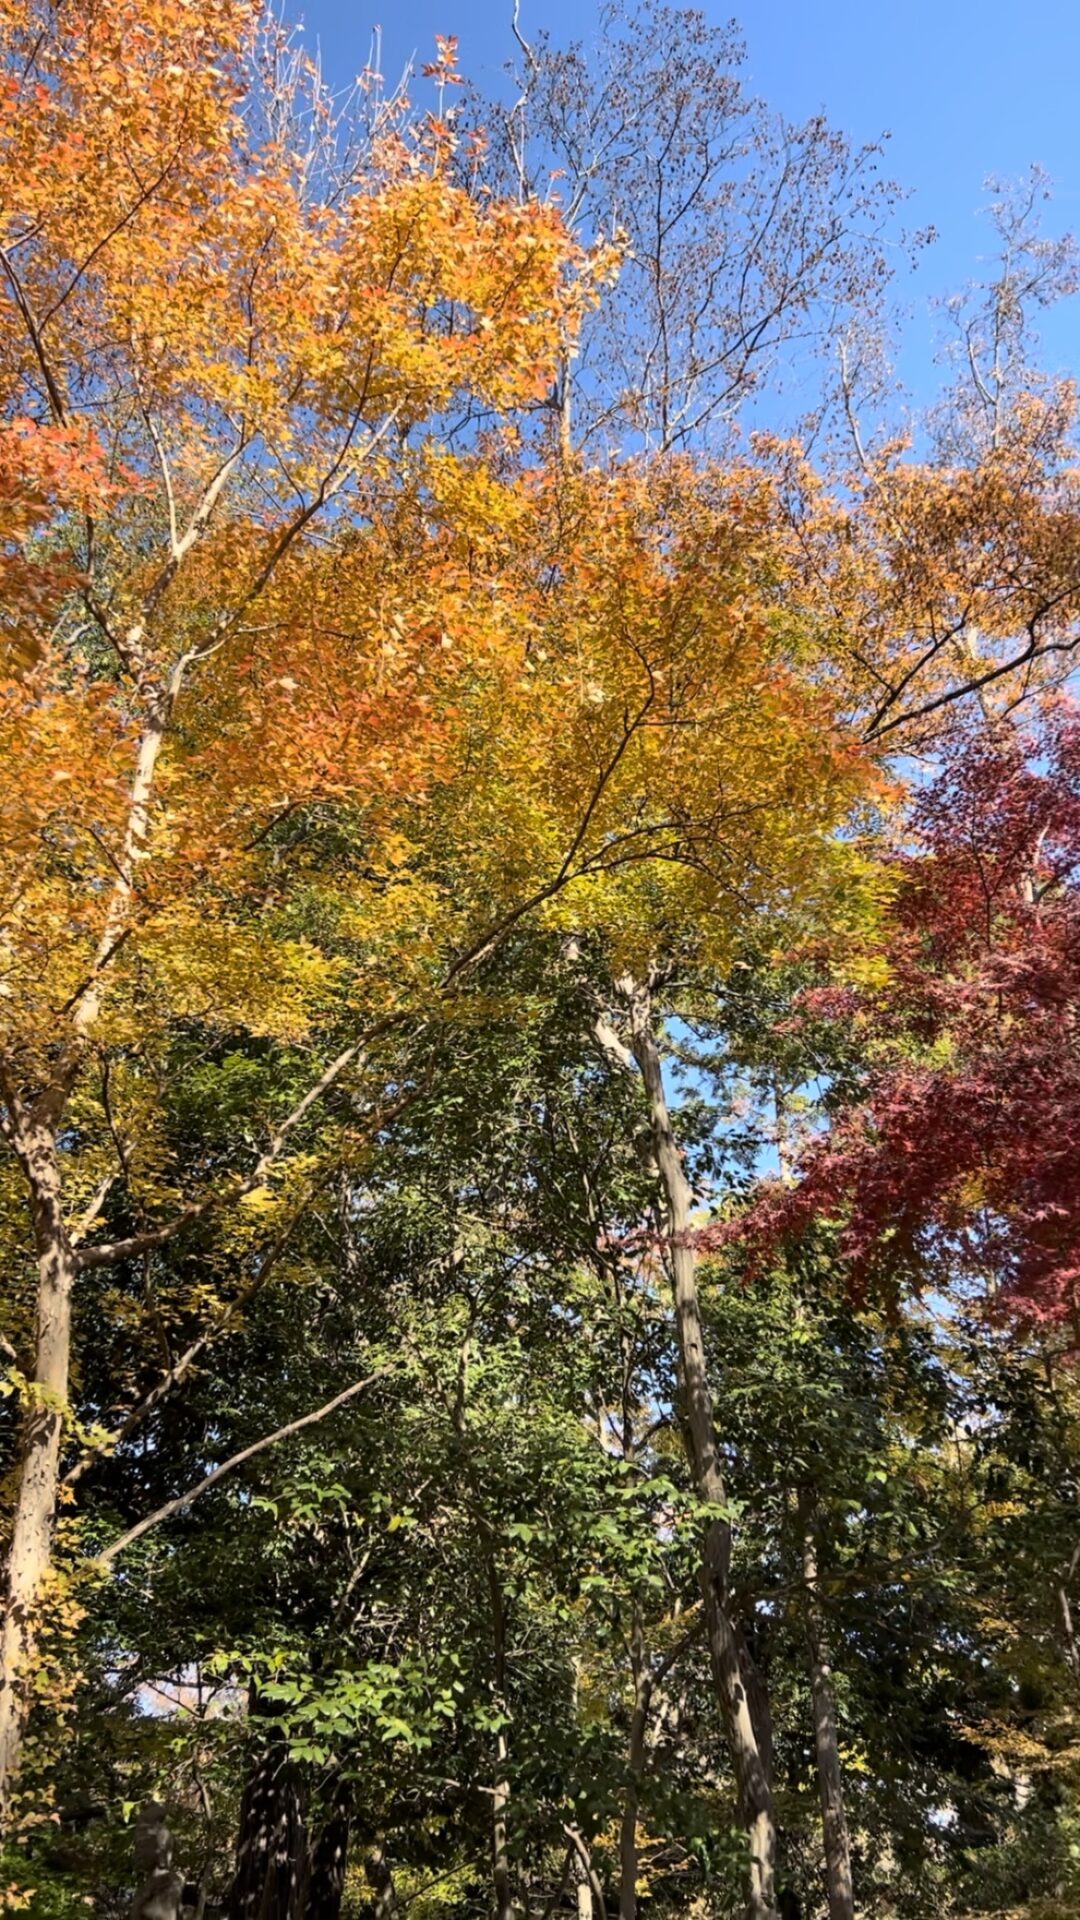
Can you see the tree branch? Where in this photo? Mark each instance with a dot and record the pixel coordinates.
(184, 1362)
(211, 1479)
(109, 1252)
(52, 385)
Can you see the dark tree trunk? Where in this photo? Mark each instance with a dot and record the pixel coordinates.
(268, 1883)
(326, 1873)
(380, 1879)
(826, 1742)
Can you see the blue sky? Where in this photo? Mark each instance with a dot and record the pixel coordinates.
(965, 89)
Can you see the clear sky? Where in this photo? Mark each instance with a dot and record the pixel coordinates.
(966, 88)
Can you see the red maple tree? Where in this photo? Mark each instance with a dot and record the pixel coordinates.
(955, 1149)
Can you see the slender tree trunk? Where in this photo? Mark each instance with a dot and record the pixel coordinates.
(566, 391)
(500, 1796)
(500, 1859)
(646, 1681)
(635, 1767)
(583, 1889)
(1069, 1641)
(739, 1692)
(583, 1868)
(30, 1551)
(830, 1779)
(33, 1131)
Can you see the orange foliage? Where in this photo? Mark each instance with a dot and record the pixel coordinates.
(215, 330)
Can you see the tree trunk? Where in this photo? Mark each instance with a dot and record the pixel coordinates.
(500, 1795)
(830, 1779)
(268, 1882)
(380, 1878)
(635, 1767)
(583, 1889)
(33, 1132)
(30, 1551)
(500, 1859)
(583, 1860)
(646, 1681)
(160, 1889)
(739, 1692)
(326, 1873)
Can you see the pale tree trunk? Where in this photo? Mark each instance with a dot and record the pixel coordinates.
(1070, 1643)
(500, 1799)
(830, 1780)
(583, 1889)
(500, 1859)
(590, 1902)
(741, 1698)
(30, 1551)
(565, 398)
(635, 1767)
(34, 1131)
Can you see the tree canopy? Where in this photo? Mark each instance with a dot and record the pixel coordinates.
(537, 1005)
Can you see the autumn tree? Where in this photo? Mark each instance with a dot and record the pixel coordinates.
(508, 1216)
(949, 1147)
(903, 569)
(213, 336)
(164, 735)
(942, 539)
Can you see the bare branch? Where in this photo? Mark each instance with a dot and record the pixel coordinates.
(52, 384)
(1033, 651)
(93, 1211)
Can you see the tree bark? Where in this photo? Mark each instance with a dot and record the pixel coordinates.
(584, 1870)
(739, 1692)
(830, 1779)
(326, 1872)
(34, 1132)
(268, 1882)
(583, 1889)
(500, 1858)
(635, 1767)
(380, 1878)
(30, 1551)
(161, 1889)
